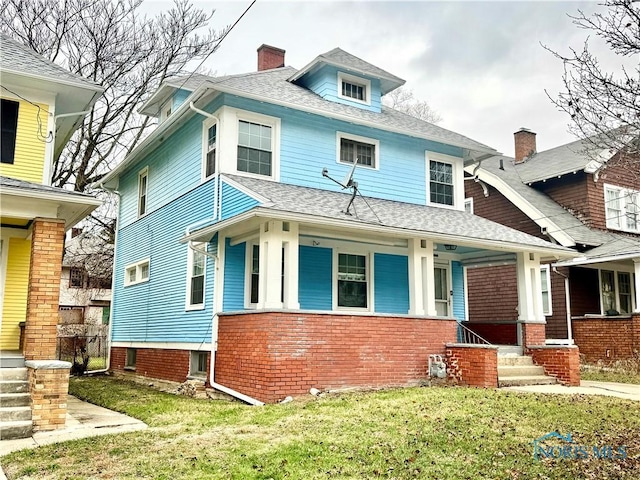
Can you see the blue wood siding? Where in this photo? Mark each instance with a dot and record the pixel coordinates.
(154, 311)
(179, 97)
(324, 82)
(315, 283)
(457, 283)
(235, 201)
(174, 169)
(234, 277)
(308, 143)
(391, 283)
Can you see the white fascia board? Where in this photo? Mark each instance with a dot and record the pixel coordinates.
(556, 252)
(51, 196)
(59, 81)
(587, 261)
(164, 345)
(345, 118)
(523, 205)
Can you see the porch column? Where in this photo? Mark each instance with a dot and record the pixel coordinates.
(271, 244)
(47, 244)
(291, 254)
(636, 269)
(416, 287)
(428, 278)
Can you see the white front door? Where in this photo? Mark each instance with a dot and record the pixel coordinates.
(441, 283)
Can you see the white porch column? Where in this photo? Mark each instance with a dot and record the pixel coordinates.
(429, 279)
(636, 269)
(270, 280)
(416, 288)
(529, 288)
(291, 255)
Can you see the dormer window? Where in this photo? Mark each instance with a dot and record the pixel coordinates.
(354, 88)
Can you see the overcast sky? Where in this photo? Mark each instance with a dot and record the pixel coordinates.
(479, 64)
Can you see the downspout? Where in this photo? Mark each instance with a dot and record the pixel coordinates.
(476, 179)
(567, 302)
(214, 342)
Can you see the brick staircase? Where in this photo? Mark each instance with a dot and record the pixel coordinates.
(517, 370)
(15, 409)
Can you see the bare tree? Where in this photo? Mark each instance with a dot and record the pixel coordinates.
(605, 106)
(403, 100)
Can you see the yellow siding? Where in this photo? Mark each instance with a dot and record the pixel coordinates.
(16, 284)
(28, 163)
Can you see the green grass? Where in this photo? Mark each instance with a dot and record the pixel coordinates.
(622, 371)
(436, 432)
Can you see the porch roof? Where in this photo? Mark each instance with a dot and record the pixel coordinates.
(393, 218)
(617, 248)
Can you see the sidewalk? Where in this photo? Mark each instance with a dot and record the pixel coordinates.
(83, 420)
(628, 391)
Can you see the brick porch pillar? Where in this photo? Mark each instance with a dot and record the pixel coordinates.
(49, 387)
(47, 244)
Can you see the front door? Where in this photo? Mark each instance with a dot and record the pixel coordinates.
(441, 283)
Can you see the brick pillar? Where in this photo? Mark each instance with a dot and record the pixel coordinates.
(48, 386)
(635, 333)
(563, 362)
(47, 244)
(533, 334)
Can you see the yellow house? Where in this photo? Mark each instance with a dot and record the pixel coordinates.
(42, 105)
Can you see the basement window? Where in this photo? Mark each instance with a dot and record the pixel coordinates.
(199, 364)
(130, 362)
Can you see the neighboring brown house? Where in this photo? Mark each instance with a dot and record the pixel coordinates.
(564, 196)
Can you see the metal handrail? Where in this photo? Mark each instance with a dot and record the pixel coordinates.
(466, 335)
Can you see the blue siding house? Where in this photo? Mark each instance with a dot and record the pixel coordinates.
(285, 220)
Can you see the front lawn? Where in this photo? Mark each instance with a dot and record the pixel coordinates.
(436, 432)
(622, 371)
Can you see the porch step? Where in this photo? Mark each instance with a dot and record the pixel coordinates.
(520, 370)
(518, 381)
(13, 386)
(15, 430)
(13, 373)
(15, 414)
(14, 399)
(11, 360)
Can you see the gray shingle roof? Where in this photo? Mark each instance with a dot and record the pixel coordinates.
(15, 57)
(565, 220)
(7, 182)
(617, 245)
(410, 217)
(272, 85)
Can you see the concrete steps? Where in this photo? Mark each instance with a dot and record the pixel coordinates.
(15, 409)
(520, 370)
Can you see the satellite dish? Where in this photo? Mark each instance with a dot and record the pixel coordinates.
(348, 180)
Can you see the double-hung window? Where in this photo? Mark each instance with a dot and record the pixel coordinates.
(352, 281)
(143, 186)
(622, 208)
(210, 146)
(616, 292)
(9, 123)
(441, 182)
(196, 265)
(545, 285)
(254, 148)
(353, 148)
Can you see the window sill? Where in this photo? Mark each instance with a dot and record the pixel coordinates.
(194, 308)
(132, 369)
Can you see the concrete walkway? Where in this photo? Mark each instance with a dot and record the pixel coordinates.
(83, 420)
(627, 391)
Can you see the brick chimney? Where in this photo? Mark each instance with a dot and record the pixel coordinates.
(525, 141)
(270, 57)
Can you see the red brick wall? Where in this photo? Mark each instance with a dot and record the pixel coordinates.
(607, 339)
(164, 364)
(45, 267)
(475, 366)
(271, 355)
(561, 362)
(533, 334)
(483, 286)
(585, 291)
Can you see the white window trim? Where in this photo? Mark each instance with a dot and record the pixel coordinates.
(143, 173)
(205, 148)
(138, 266)
(228, 141)
(356, 81)
(188, 305)
(368, 254)
(622, 194)
(468, 201)
(193, 355)
(248, 264)
(458, 179)
(358, 138)
(546, 271)
(616, 288)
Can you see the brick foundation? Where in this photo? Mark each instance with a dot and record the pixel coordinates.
(473, 365)
(563, 362)
(45, 265)
(533, 334)
(607, 339)
(48, 386)
(164, 364)
(270, 355)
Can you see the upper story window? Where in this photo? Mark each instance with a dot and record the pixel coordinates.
(468, 205)
(210, 148)
(441, 182)
(136, 273)
(165, 111)
(354, 88)
(254, 148)
(9, 122)
(77, 278)
(353, 148)
(622, 208)
(143, 185)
